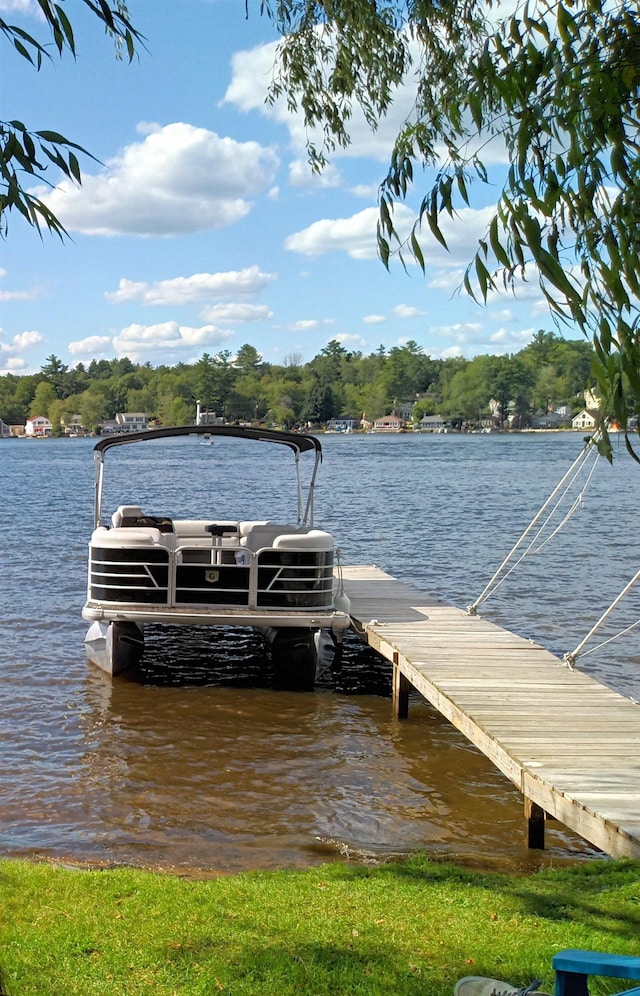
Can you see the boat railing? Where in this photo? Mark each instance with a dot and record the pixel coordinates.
(255, 565)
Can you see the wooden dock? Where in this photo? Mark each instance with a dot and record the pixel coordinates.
(569, 744)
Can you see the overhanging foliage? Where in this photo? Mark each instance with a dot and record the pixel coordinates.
(556, 82)
(25, 156)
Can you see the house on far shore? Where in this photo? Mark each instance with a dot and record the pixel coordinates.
(5, 430)
(74, 427)
(585, 419)
(430, 423)
(131, 421)
(343, 425)
(404, 409)
(389, 423)
(108, 426)
(551, 420)
(38, 426)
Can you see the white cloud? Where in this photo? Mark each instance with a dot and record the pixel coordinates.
(156, 343)
(406, 311)
(11, 359)
(301, 175)
(94, 346)
(473, 338)
(24, 340)
(14, 365)
(18, 295)
(505, 315)
(511, 341)
(140, 342)
(252, 73)
(198, 287)
(20, 342)
(447, 280)
(465, 338)
(355, 235)
(374, 319)
(368, 191)
(8, 295)
(179, 179)
(354, 341)
(304, 325)
(463, 331)
(29, 7)
(235, 313)
(540, 307)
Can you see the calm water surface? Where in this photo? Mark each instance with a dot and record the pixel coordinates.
(198, 764)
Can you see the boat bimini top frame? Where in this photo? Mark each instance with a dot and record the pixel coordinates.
(298, 443)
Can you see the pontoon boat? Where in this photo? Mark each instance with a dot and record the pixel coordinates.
(275, 576)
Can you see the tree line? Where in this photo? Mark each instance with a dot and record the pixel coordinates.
(337, 382)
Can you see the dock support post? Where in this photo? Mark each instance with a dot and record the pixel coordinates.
(401, 688)
(534, 815)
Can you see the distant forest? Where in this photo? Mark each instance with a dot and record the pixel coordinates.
(550, 371)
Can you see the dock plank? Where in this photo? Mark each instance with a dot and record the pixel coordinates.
(570, 744)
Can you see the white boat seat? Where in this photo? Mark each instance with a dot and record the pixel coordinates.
(132, 517)
(261, 535)
(244, 528)
(125, 512)
(197, 528)
(314, 539)
(127, 537)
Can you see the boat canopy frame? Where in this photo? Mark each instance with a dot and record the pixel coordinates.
(298, 443)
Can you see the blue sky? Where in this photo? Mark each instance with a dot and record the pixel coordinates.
(202, 227)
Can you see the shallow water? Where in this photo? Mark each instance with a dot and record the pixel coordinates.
(198, 763)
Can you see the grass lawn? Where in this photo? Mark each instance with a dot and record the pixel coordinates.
(396, 929)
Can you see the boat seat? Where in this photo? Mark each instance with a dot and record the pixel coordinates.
(128, 537)
(261, 535)
(124, 512)
(130, 516)
(197, 528)
(244, 528)
(313, 539)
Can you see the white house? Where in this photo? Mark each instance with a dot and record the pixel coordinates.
(585, 420)
(37, 426)
(132, 421)
(591, 400)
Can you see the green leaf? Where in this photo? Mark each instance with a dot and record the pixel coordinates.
(497, 247)
(417, 250)
(432, 221)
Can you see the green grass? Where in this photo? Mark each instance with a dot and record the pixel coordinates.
(407, 928)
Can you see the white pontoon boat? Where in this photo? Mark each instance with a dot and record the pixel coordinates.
(150, 568)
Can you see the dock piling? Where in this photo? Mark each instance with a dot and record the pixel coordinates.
(401, 689)
(535, 818)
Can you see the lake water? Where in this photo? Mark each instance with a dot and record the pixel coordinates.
(198, 764)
